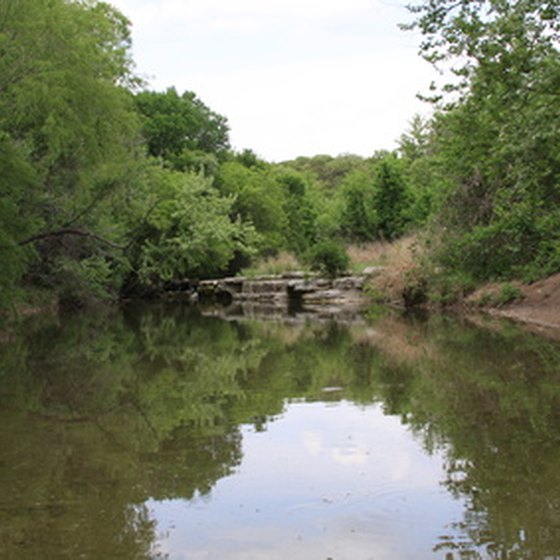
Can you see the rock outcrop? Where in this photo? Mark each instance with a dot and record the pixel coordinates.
(296, 289)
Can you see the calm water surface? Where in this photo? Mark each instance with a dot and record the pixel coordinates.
(160, 432)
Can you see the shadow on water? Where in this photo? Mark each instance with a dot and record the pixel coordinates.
(102, 413)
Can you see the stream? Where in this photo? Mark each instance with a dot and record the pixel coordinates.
(165, 431)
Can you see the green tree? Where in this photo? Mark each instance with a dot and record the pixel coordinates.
(423, 169)
(329, 257)
(182, 130)
(180, 227)
(67, 129)
(358, 219)
(301, 215)
(17, 181)
(390, 198)
(258, 199)
(498, 138)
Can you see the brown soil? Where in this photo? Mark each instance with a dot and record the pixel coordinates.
(539, 308)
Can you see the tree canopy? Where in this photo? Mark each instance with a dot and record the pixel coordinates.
(105, 184)
(181, 129)
(497, 132)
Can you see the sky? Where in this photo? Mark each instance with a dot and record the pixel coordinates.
(293, 77)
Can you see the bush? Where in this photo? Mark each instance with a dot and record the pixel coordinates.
(449, 287)
(329, 257)
(508, 293)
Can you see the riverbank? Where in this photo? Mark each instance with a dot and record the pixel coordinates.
(383, 273)
(535, 305)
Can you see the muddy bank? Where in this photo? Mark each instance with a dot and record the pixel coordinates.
(538, 308)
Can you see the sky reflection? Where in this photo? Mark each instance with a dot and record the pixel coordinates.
(322, 481)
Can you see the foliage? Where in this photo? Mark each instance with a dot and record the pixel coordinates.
(448, 287)
(359, 216)
(390, 198)
(185, 228)
(182, 130)
(301, 214)
(329, 257)
(17, 179)
(497, 138)
(424, 170)
(328, 171)
(67, 131)
(258, 199)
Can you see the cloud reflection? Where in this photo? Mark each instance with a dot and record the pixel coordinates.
(337, 481)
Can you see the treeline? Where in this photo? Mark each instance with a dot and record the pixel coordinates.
(109, 189)
(494, 142)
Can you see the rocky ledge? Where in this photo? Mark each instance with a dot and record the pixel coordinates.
(295, 288)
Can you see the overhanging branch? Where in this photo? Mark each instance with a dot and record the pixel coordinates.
(69, 231)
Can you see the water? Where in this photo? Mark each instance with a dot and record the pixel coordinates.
(158, 432)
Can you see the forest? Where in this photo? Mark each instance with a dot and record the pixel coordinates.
(109, 189)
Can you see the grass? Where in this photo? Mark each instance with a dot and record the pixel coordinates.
(399, 260)
(275, 265)
(497, 294)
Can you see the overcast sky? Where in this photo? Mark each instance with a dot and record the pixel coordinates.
(293, 77)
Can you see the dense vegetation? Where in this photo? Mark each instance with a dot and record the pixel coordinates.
(107, 188)
(498, 134)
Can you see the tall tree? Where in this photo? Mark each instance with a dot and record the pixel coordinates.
(390, 198)
(67, 123)
(499, 138)
(182, 130)
(358, 216)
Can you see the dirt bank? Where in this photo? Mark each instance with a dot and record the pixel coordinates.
(539, 307)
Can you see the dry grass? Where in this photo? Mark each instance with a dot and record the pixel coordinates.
(383, 252)
(400, 341)
(399, 259)
(271, 266)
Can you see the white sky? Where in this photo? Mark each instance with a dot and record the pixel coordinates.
(293, 77)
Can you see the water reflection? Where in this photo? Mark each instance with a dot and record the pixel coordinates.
(339, 481)
(158, 432)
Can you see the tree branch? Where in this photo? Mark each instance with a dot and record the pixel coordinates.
(69, 231)
(99, 196)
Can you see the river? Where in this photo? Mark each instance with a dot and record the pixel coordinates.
(162, 431)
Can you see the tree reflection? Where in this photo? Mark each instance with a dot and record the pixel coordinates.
(491, 400)
(101, 413)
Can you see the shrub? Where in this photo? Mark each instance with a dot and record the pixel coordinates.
(508, 293)
(329, 257)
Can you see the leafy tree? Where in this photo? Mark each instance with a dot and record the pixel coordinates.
(258, 199)
(301, 232)
(67, 131)
(184, 228)
(328, 171)
(359, 217)
(249, 159)
(390, 198)
(497, 139)
(329, 257)
(182, 130)
(17, 180)
(424, 170)
(415, 143)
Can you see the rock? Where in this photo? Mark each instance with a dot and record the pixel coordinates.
(349, 283)
(372, 270)
(288, 289)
